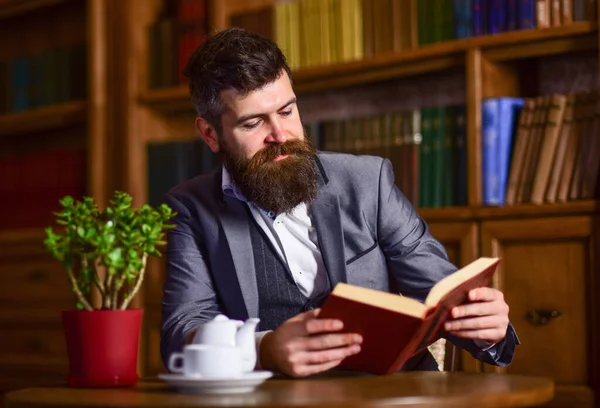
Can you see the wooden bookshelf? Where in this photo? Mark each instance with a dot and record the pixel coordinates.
(43, 119)
(548, 251)
(9, 8)
(29, 28)
(509, 46)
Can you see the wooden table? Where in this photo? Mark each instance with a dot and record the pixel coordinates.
(411, 389)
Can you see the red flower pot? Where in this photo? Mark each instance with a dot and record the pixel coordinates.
(102, 346)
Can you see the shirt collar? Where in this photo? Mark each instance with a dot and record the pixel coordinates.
(229, 188)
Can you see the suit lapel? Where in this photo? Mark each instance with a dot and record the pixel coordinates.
(234, 219)
(325, 211)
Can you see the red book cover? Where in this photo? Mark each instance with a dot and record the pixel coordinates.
(394, 327)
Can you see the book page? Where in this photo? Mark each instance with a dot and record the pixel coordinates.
(390, 301)
(465, 274)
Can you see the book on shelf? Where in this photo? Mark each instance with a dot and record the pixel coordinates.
(553, 155)
(394, 327)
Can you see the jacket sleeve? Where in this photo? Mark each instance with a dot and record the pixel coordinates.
(417, 261)
(188, 295)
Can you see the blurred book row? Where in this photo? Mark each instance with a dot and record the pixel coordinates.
(31, 185)
(48, 77)
(480, 17)
(534, 150)
(541, 150)
(426, 147)
(179, 29)
(319, 32)
(173, 162)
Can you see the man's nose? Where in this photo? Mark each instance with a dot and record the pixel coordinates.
(277, 134)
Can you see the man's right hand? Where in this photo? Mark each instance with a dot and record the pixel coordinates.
(305, 345)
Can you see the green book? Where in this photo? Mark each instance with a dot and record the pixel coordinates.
(425, 159)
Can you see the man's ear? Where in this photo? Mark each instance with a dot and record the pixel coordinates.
(208, 134)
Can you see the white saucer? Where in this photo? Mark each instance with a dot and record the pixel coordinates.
(198, 385)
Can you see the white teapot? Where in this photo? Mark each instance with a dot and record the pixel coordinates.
(223, 331)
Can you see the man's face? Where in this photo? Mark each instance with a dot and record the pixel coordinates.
(264, 148)
(262, 118)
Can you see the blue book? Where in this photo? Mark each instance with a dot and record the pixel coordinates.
(489, 144)
(512, 15)
(463, 18)
(497, 13)
(526, 14)
(19, 84)
(499, 122)
(480, 17)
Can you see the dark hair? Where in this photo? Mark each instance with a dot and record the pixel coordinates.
(232, 58)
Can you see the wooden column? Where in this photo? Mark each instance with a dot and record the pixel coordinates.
(474, 79)
(97, 100)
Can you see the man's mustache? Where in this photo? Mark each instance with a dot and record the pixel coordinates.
(295, 147)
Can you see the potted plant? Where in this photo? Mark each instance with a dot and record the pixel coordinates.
(107, 250)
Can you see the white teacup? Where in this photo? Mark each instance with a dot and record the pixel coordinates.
(208, 361)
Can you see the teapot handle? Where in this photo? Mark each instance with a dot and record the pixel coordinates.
(173, 366)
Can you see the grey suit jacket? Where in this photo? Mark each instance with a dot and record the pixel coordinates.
(368, 232)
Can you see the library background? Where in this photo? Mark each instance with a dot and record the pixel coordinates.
(489, 111)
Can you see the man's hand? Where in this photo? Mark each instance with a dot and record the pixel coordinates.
(484, 317)
(305, 345)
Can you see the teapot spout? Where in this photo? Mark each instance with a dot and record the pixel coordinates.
(244, 339)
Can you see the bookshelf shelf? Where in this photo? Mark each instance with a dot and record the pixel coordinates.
(454, 214)
(174, 98)
(9, 8)
(537, 36)
(583, 207)
(22, 234)
(516, 45)
(50, 117)
(457, 214)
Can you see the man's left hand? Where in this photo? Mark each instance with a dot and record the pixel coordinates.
(484, 317)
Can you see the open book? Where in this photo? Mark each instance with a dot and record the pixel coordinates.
(394, 327)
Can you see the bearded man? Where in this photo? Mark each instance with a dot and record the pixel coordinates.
(271, 232)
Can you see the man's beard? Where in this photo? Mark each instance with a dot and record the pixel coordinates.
(277, 186)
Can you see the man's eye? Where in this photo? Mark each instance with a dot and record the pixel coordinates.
(286, 113)
(251, 125)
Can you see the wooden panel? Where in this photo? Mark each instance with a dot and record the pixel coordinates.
(545, 266)
(459, 239)
(499, 79)
(36, 280)
(33, 347)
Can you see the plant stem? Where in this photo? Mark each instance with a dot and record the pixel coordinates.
(109, 290)
(115, 296)
(99, 284)
(77, 291)
(138, 284)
